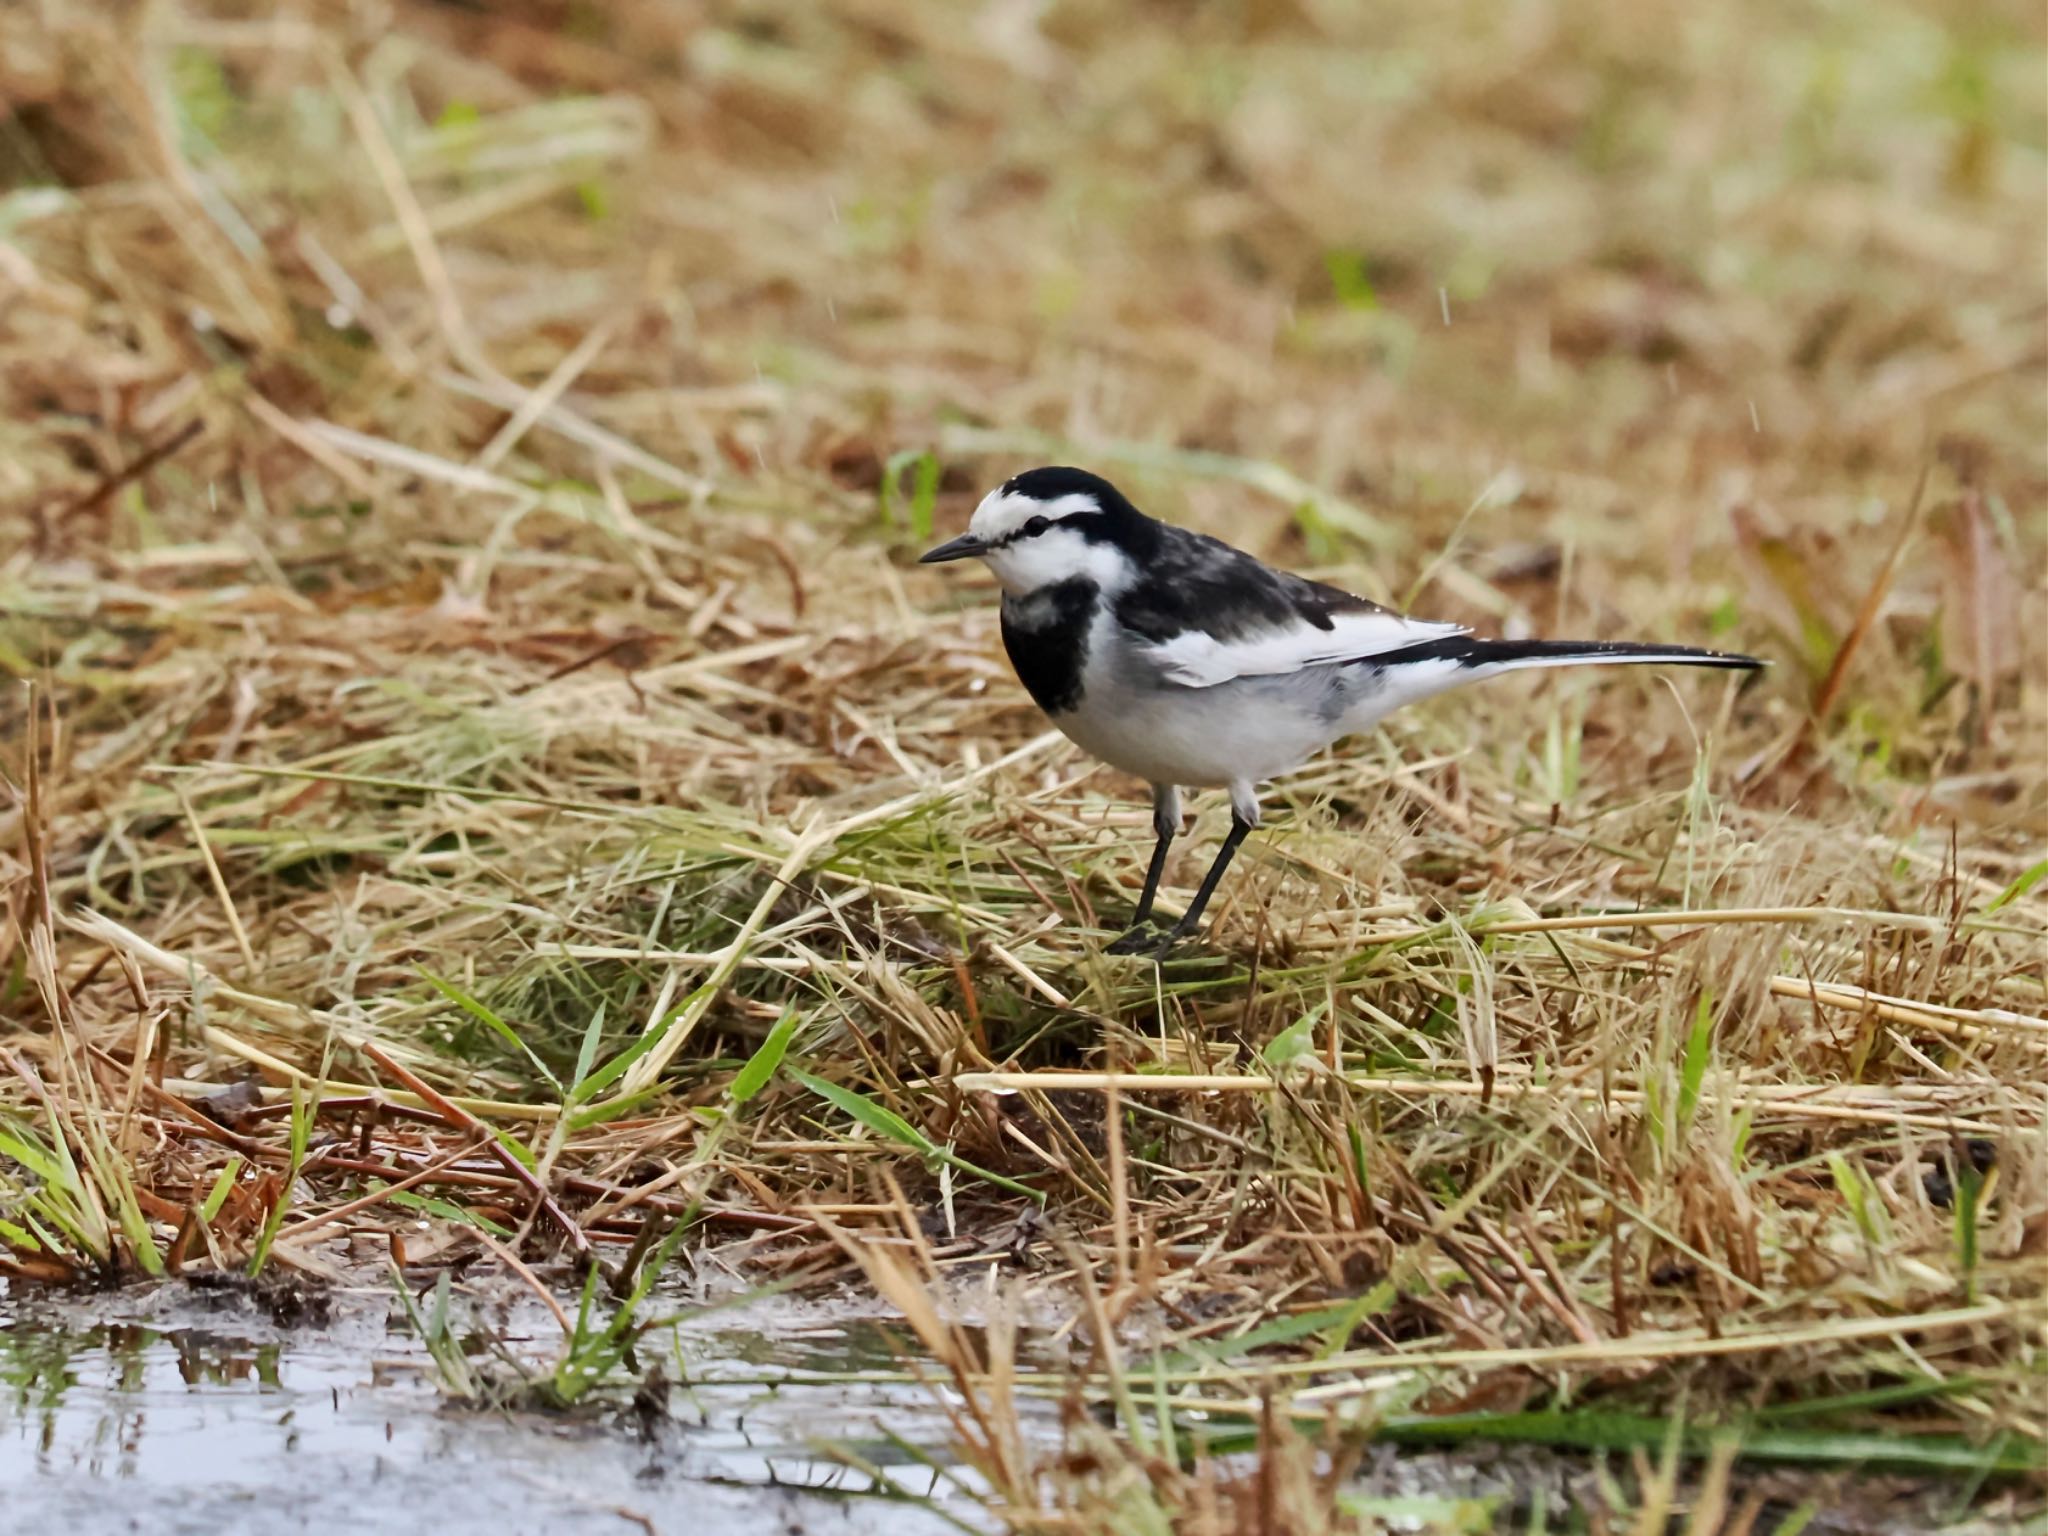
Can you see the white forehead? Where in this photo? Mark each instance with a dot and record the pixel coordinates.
(1003, 512)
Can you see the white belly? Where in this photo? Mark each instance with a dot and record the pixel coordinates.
(1238, 732)
(1243, 731)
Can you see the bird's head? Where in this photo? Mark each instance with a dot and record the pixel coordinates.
(1047, 526)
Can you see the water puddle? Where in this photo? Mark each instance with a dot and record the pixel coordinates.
(173, 1412)
(181, 1410)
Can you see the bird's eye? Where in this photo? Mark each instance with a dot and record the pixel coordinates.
(1036, 526)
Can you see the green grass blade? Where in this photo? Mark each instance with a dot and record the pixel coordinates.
(882, 1121)
(1596, 1430)
(760, 1067)
(613, 1109)
(887, 1123)
(2032, 876)
(1296, 1040)
(1875, 1397)
(1279, 1330)
(924, 491)
(223, 1181)
(586, 1054)
(484, 1015)
(617, 1067)
(446, 1210)
(1969, 1198)
(1699, 1050)
(24, 1149)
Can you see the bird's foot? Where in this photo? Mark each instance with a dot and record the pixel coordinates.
(1140, 939)
(1154, 944)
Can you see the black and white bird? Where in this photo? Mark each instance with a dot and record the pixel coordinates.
(1172, 656)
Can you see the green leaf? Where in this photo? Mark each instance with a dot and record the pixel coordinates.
(614, 1069)
(518, 1149)
(887, 1123)
(1278, 1330)
(1375, 1301)
(593, 1036)
(446, 1210)
(24, 1150)
(1360, 1168)
(924, 491)
(2028, 879)
(1873, 1397)
(305, 1109)
(1586, 1430)
(135, 1227)
(760, 1067)
(1699, 1050)
(1969, 1196)
(449, 1363)
(305, 1113)
(1349, 279)
(877, 1118)
(612, 1109)
(63, 1196)
(1866, 1207)
(1600, 1430)
(1293, 1042)
(485, 1016)
(224, 1181)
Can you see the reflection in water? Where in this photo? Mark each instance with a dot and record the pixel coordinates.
(84, 1398)
(207, 1421)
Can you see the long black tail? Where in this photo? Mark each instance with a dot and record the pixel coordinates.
(1469, 651)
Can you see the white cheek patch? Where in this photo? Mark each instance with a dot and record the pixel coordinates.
(1059, 554)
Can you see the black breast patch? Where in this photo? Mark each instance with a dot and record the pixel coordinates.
(1046, 635)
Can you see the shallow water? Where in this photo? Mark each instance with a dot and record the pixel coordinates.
(166, 1411)
(178, 1410)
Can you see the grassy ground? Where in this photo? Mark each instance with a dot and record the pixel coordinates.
(457, 480)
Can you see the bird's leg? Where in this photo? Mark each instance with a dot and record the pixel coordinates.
(1191, 919)
(1244, 815)
(1166, 827)
(1166, 823)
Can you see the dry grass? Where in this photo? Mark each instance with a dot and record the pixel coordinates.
(455, 484)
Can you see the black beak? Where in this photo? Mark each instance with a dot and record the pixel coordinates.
(965, 547)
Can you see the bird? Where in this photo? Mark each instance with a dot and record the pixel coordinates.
(1176, 658)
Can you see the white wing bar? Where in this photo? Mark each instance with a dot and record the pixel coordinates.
(1197, 659)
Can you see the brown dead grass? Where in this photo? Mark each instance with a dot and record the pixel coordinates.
(443, 530)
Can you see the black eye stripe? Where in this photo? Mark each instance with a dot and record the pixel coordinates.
(1030, 529)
